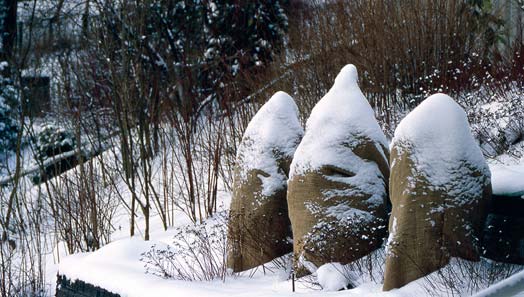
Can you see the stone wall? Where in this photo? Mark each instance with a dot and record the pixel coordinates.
(67, 288)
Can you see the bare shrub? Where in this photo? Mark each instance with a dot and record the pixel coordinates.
(401, 50)
(83, 204)
(197, 147)
(197, 253)
(491, 94)
(23, 243)
(462, 277)
(497, 117)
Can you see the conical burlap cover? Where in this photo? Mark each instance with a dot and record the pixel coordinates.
(259, 227)
(439, 189)
(337, 190)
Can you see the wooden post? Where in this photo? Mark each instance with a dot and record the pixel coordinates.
(293, 281)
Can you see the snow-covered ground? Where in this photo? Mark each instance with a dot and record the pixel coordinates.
(117, 268)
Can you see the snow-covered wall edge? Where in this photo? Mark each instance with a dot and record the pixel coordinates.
(77, 288)
(508, 287)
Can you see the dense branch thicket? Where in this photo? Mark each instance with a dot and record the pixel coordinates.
(404, 50)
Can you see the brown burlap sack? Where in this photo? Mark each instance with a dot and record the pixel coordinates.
(334, 221)
(259, 229)
(337, 190)
(438, 210)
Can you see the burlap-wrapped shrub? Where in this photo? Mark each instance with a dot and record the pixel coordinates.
(439, 188)
(337, 189)
(259, 227)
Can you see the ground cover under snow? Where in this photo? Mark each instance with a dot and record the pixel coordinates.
(117, 268)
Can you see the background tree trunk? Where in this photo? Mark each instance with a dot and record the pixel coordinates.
(8, 28)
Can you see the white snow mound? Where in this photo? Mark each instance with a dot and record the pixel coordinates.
(275, 129)
(440, 138)
(508, 179)
(331, 277)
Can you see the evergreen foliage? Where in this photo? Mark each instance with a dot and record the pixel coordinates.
(9, 125)
(54, 140)
(216, 40)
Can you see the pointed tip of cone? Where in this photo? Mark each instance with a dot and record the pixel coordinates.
(347, 77)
